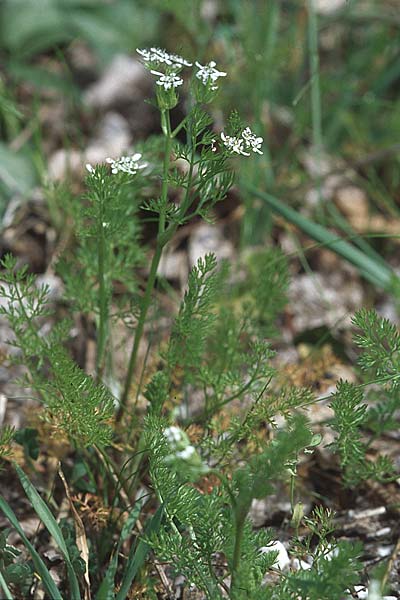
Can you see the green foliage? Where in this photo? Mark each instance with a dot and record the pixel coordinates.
(27, 438)
(68, 533)
(39, 565)
(331, 575)
(32, 28)
(218, 352)
(107, 214)
(266, 287)
(201, 526)
(380, 343)
(18, 574)
(49, 521)
(73, 401)
(76, 404)
(6, 436)
(195, 319)
(335, 565)
(350, 417)
(25, 305)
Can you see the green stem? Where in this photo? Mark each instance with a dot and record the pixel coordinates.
(315, 85)
(140, 327)
(103, 302)
(237, 550)
(161, 242)
(315, 95)
(5, 588)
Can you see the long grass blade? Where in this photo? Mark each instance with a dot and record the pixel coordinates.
(107, 587)
(137, 555)
(376, 272)
(39, 565)
(46, 516)
(5, 588)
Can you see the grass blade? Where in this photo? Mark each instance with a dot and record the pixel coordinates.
(107, 587)
(137, 555)
(39, 565)
(376, 272)
(5, 588)
(46, 516)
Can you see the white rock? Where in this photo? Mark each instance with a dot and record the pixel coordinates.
(283, 560)
(326, 7)
(112, 139)
(361, 591)
(209, 238)
(300, 564)
(124, 80)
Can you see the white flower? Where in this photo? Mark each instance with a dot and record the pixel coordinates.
(234, 144)
(251, 140)
(186, 453)
(246, 141)
(158, 55)
(126, 164)
(168, 81)
(179, 60)
(90, 168)
(209, 74)
(173, 434)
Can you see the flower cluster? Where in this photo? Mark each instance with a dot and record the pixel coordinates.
(183, 454)
(157, 55)
(169, 80)
(243, 143)
(208, 74)
(126, 164)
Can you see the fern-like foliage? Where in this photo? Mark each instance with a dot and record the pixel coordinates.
(195, 319)
(265, 289)
(351, 417)
(73, 402)
(202, 528)
(197, 522)
(76, 404)
(6, 438)
(255, 479)
(107, 229)
(332, 574)
(379, 340)
(25, 304)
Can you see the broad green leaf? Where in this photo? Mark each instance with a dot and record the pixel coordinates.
(107, 587)
(137, 555)
(376, 272)
(16, 170)
(5, 588)
(46, 516)
(29, 27)
(40, 567)
(42, 78)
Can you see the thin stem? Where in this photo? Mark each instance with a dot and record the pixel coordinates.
(315, 85)
(179, 127)
(161, 242)
(103, 301)
(315, 93)
(140, 327)
(5, 588)
(237, 550)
